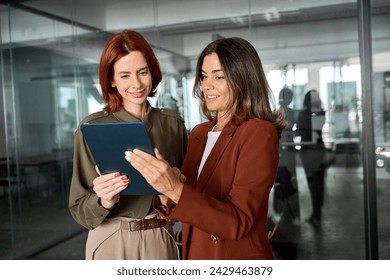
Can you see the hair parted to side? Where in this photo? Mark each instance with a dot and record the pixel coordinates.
(246, 80)
(118, 46)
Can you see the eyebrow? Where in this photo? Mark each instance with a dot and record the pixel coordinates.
(139, 70)
(213, 71)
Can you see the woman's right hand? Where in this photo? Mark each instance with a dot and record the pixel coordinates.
(107, 187)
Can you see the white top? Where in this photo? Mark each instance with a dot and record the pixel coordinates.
(212, 137)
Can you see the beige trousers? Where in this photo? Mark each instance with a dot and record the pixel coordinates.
(111, 242)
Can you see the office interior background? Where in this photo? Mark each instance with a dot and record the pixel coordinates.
(49, 58)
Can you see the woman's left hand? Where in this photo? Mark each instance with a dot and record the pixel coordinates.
(157, 172)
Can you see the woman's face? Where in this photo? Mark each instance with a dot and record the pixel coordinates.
(132, 79)
(214, 85)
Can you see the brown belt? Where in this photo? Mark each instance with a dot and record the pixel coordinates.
(143, 224)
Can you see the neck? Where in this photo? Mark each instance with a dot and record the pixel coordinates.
(222, 120)
(138, 111)
(218, 127)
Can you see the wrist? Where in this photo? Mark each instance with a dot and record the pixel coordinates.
(106, 204)
(175, 194)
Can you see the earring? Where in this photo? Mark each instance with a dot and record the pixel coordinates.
(112, 85)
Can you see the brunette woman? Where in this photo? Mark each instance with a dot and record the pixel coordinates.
(221, 195)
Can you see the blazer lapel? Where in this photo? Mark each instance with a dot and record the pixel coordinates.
(215, 155)
(194, 156)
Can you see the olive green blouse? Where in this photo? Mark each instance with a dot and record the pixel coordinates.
(167, 132)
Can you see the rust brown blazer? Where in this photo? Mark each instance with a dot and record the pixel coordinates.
(224, 211)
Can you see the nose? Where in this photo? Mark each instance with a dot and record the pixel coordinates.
(135, 82)
(207, 84)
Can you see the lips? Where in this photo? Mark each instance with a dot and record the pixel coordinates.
(137, 94)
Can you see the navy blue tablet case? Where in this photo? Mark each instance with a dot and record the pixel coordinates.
(108, 143)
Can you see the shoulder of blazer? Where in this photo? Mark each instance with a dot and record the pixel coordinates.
(201, 128)
(262, 125)
(256, 122)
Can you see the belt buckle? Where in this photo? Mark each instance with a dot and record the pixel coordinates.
(129, 225)
(135, 225)
(143, 224)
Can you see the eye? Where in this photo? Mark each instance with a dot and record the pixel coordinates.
(125, 76)
(219, 77)
(144, 73)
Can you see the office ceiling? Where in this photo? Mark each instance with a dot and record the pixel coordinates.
(289, 31)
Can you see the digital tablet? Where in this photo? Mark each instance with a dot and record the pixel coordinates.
(108, 143)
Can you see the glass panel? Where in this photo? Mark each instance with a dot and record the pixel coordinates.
(40, 93)
(318, 84)
(381, 98)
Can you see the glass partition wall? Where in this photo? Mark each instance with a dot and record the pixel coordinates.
(43, 90)
(381, 125)
(49, 58)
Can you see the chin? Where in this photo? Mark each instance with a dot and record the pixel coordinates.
(139, 101)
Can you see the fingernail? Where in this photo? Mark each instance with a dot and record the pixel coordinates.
(117, 174)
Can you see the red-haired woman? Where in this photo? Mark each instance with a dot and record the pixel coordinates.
(129, 72)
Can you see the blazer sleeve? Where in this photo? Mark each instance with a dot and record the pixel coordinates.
(231, 217)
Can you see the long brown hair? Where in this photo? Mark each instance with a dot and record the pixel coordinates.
(118, 46)
(246, 80)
